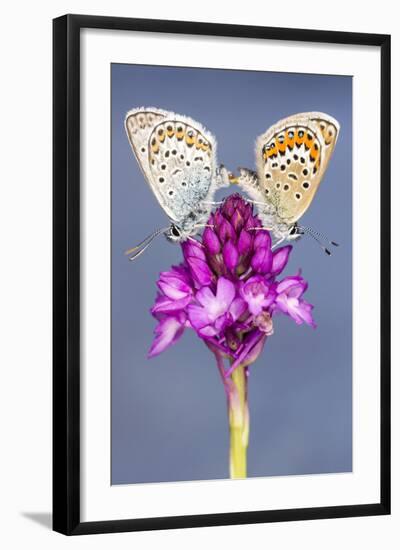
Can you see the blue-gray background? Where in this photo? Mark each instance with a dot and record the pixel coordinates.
(169, 420)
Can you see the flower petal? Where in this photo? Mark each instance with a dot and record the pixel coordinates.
(173, 287)
(230, 255)
(207, 332)
(298, 310)
(295, 284)
(253, 346)
(225, 230)
(211, 241)
(225, 292)
(280, 259)
(168, 331)
(244, 242)
(198, 316)
(237, 221)
(192, 249)
(165, 305)
(223, 322)
(262, 239)
(206, 297)
(200, 271)
(261, 262)
(237, 308)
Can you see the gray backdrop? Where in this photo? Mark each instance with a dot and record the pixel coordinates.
(169, 419)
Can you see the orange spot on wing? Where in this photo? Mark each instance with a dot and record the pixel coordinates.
(289, 141)
(299, 140)
(273, 151)
(282, 146)
(309, 142)
(314, 154)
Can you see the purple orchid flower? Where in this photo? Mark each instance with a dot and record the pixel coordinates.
(226, 287)
(216, 312)
(227, 291)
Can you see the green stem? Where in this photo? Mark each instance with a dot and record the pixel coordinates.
(238, 413)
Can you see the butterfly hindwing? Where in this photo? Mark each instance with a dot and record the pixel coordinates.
(139, 124)
(292, 157)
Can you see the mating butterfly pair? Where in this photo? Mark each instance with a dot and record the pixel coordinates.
(178, 157)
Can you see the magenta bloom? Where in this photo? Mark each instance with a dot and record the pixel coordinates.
(214, 313)
(226, 288)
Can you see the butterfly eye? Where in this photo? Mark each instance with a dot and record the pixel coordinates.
(293, 230)
(175, 231)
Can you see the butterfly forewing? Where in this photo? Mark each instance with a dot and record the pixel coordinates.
(177, 156)
(292, 157)
(182, 164)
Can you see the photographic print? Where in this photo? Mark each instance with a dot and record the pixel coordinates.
(231, 297)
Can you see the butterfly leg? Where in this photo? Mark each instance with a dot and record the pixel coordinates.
(278, 243)
(200, 225)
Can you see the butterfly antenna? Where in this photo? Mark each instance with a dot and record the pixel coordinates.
(306, 230)
(137, 250)
(321, 236)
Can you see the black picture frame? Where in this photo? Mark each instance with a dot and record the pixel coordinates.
(66, 272)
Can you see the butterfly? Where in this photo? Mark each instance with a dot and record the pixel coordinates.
(291, 158)
(178, 158)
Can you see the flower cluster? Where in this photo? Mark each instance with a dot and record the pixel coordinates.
(227, 290)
